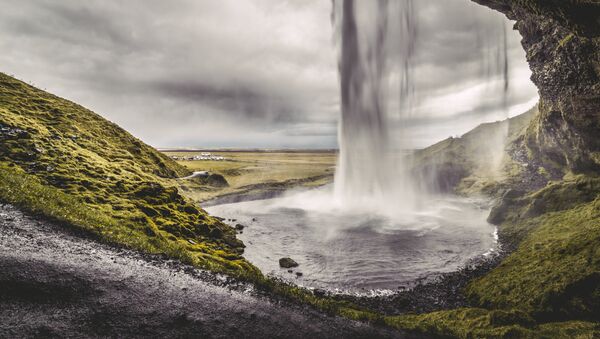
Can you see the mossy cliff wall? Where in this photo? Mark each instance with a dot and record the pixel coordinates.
(562, 42)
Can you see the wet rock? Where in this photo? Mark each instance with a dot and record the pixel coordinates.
(507, 203)
(239, 227)
(299, 274)
(287, 263)
(319, 292)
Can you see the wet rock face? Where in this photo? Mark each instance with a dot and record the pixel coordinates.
(562, 42)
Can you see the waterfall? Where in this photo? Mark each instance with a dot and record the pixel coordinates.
(376, 41)
(367, 167)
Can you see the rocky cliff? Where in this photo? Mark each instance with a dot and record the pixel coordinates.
(562, 41)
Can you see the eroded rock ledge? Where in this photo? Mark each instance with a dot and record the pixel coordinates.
(562, 41)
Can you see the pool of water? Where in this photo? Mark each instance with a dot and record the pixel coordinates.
(360, 251)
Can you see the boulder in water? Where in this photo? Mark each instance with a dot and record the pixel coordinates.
(287, 263)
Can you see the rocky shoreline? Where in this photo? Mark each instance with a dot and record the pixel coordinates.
(432, 293)
(436, 293)
(59, 283)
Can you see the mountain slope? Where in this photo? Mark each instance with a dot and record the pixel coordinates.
(548, 285)
(60, 160)
(466, 164)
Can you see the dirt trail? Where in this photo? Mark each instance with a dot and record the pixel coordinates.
(56, 284)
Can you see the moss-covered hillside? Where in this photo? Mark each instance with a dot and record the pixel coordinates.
(466, 165)
(548, 219)
(60, 160)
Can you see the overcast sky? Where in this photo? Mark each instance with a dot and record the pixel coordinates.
(252, 73)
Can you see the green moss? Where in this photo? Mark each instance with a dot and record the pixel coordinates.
(555, 271)
(566, 40)
(482, 323)
(72, 153)
(516, 212)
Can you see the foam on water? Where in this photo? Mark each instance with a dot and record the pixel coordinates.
(360, 250)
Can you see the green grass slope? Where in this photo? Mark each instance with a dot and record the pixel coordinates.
(60, 160)
(465, 164)
(549, 285)
(555, 271)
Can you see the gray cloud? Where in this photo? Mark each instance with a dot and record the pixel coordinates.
(259, 73)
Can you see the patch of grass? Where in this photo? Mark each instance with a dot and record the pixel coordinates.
(555, 271)
(482, 323)
(515, 212)
(565, 40)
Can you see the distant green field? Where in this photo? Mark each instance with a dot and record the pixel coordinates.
(246, 171)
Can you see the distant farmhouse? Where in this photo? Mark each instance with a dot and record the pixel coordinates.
(202, 156)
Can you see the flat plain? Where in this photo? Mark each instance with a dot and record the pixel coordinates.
(256, 172)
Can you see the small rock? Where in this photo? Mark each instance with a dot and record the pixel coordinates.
(299, 274)
(287, 263)
(319, 292)
(191, 241)
(253, 219)
(239, 227)
(290, 271)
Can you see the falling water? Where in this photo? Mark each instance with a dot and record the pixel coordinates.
(377, 45)
(499, 62)
(367, 169)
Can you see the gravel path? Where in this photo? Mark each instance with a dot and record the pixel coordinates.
(54, 283)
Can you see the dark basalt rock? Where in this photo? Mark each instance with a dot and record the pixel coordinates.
(562, 42)
(287, 263)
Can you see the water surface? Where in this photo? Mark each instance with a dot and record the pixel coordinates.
(360, 251)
